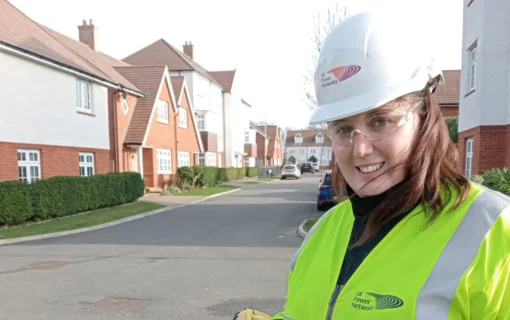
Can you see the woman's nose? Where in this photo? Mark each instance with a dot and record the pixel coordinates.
(361, 145)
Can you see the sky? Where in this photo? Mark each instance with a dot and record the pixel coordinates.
(268, 42)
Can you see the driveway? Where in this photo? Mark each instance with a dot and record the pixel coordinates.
(204, 261)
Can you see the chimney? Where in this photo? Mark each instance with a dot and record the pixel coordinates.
(88, 34)
(188, 49)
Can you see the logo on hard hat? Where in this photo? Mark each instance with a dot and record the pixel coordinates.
(340, 73)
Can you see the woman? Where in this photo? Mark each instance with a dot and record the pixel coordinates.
(416, 239)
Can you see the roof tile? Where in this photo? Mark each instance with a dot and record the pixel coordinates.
(177, 83)
(148, 79)
(308, 137)
(225, 78)
(449, 92)
(161, 53)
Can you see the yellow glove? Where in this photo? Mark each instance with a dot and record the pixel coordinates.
(250, 314)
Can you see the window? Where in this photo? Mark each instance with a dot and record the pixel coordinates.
(184, 159)
(200, 121)
(83, 96)
(312, 150)
(473, 57)
(246, 137)
(319, 139)
(125, 106)
(86, 164)
(164, 159)
(301, 151)
(469, 157)
(163, 111)
(29, 165)
(206, 159)
(291, 151)
(183, 117)
(298, 138)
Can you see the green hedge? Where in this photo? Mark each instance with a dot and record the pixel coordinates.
(62, 196)
(199, 176)
(252, 171)
(496, 179)
(453, 128)
(227, 174)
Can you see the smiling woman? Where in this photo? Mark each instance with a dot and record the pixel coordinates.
(415, 239)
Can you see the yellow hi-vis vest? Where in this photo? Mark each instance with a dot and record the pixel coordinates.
(456, 268)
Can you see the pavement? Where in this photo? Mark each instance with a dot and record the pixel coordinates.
(204, 261)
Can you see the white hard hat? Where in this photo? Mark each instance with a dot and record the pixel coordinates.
(369, 60)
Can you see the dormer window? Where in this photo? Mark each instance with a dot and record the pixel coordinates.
(319, 138)
(298, 138)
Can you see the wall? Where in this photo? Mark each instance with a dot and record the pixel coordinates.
(54, 160)
(38, 106)
(322, 153)
(123, 120)
(161, 136)
(208, 97)
(187, 137)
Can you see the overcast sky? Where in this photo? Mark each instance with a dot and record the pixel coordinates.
(267, 41)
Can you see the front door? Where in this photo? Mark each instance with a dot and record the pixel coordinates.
(133, 161)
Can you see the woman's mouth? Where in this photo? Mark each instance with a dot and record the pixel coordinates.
(371, 168)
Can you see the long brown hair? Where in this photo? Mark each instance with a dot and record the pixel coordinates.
(432, 164)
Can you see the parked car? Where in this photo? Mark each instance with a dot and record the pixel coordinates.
(326, 197)
(307, 167)
(316, 167)
(290, 170)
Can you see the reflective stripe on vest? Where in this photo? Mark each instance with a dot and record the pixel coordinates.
(435, 297)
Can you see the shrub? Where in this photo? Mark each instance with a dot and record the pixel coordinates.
(62, 196)
(198, 176)
(227, 174)
(252, 171)
(453, 128)
(496, 179)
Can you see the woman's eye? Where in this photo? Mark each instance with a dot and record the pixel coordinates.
(343, 130)
(381, 122)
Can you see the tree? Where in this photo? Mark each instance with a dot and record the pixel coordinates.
(322, 26)
(453, 128)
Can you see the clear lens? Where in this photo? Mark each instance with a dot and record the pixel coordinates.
(374, 126)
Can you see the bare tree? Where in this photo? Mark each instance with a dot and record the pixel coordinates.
(323, 24)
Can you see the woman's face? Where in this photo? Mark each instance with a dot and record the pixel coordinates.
(381, 139)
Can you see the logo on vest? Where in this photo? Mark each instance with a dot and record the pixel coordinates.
(368, 301)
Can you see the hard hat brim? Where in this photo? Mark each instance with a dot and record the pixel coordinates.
(361, 103)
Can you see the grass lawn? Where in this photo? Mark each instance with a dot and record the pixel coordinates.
(251, 182)
(88, 219)
(207, 191)
(309, 224)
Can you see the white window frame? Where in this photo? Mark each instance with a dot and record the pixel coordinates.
(83, 96)
(183, 117)
(164, 161)
(319, 139)
(183, 159)
(200, 121)
(298, 138)
(473, 58)
(301, 151)
(163, 111)
(87, 164)
(469, 158)
(31, 167)
(246, 137)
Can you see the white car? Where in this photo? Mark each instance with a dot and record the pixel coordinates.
(290, 170)
(316, 166)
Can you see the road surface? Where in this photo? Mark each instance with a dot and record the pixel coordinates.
(204, 261)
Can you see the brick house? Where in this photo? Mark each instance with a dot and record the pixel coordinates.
(162, 133)
(60, 126)
(255, 146)
(206, 93)
(274, 154)
(448, 93)
(484, 119)
(309, 145)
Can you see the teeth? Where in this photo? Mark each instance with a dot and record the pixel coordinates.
(372, 168)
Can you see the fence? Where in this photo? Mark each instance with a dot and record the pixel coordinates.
(272, 171)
